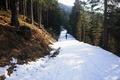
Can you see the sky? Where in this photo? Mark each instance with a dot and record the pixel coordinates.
(67, 2)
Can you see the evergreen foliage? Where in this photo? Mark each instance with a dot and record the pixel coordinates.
(44, 12)
(94, 21)
(92, 26)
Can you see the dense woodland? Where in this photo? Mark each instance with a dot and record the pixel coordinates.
(44, 12)
(27, 28)
(95, 21)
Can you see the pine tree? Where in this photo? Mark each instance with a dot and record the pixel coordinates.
(74, 17)
(14, 12)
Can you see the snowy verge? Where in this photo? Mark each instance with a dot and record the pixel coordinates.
(76, 61)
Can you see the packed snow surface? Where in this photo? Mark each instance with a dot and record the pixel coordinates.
(76, 61)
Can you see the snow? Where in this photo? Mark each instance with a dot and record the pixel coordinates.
(3, 70)
(13, 60)
(76, 61)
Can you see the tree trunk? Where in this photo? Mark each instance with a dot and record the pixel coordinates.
(9, 4)
(40, 17)
(6, 3)
(82, 32)
(24, 8)
(14, 12)
(105, 35)
(47, 17)
(32, 12)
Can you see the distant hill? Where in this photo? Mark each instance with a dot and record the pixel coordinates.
(65, 7)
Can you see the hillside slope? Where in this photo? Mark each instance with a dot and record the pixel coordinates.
(27, 43)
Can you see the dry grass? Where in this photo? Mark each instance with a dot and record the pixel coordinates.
(23, 46)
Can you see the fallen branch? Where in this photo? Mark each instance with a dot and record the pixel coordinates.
(55, 52)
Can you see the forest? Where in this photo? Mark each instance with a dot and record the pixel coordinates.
(97, 22)
(93, 21)
(27, 28)
(44, 12)
(30, 29)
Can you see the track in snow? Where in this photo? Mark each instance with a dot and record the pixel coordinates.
(76, 61)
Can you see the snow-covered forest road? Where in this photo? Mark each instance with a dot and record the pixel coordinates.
(76, 61)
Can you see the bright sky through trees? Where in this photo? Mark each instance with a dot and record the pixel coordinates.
(67, 2)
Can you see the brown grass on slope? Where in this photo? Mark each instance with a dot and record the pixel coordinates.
(24, 46)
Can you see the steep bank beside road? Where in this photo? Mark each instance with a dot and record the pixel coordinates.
(29, 43)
